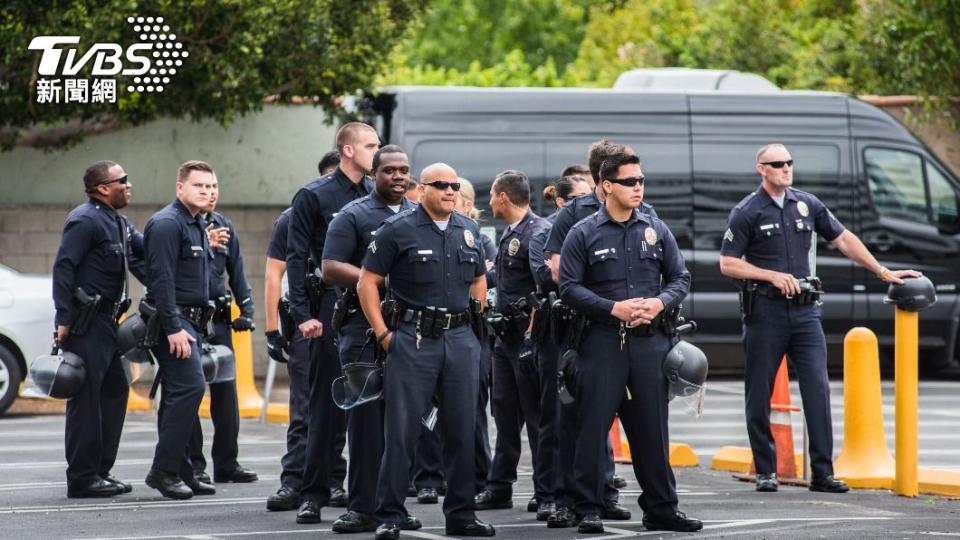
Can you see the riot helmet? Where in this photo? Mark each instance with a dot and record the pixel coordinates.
(59, 375)
(914, 294)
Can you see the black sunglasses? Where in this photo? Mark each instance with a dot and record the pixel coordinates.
(778, 164)
(121, 180)
(628, 182)
(442, 185)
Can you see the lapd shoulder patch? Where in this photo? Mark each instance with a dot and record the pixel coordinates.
(650, 235)
(513, 247)
(468, 238)
(728, 236)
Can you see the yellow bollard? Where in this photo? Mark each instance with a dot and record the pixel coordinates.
(248, 397)
(865, 461)
(906, 383)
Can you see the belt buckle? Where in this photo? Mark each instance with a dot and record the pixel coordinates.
(449, 320)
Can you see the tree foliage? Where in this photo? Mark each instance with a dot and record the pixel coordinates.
(241, 51)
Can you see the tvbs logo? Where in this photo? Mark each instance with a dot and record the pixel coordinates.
(151, 62)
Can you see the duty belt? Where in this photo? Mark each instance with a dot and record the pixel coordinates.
(198, 315)
(447, 320)
(223, 305)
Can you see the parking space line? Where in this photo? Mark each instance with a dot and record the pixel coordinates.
(133, 505)
(38, 485)
(119, 463)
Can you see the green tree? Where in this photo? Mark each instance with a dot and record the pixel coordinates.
(241, 51)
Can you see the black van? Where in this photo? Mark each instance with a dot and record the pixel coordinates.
(698, 153)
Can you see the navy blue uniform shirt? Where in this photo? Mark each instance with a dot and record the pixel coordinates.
(354, 227)
(178, 262)
(229, 260)
(91, 257)
(277, 249)
(314, 206)
(515, 277)
(604, 262)
(538, 254)
(488, 252)
(575, 210)
(778, 239)
(427, 266)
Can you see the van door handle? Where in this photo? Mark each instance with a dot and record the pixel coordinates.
(881, 242)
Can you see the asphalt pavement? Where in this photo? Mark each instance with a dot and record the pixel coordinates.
(33, 503)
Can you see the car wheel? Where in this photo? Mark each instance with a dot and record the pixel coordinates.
(10, 378)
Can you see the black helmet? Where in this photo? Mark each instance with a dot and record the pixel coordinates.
(130, 336)
(915, 294)
(685, 368)
(361, 382)
(218, 363)
(59, 375)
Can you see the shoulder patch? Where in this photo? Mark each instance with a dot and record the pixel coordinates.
(728, 236)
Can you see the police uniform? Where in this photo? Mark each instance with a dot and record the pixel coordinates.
(351, 231)
(427, 465)
(563, 220)
(602, 262)
(779, 239)
(179, 262)
(313, 208)
(224, 409)
(428, 267)
(516, 389)
(91, 257)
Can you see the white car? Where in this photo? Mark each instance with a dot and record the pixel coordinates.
(26, 327)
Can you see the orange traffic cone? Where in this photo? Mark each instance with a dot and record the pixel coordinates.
(618, 439)
(780, 424)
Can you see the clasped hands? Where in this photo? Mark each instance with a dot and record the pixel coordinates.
(637, 311)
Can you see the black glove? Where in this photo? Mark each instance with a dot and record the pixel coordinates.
(276, 346)
(242, 324)
(527, 359)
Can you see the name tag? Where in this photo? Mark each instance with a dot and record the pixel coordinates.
(425, 252)
(769, 226)
(601, 252)
(196, 248)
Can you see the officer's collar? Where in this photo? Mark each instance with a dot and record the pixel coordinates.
(522, 224)
(346, 182)
(186, 213)
(97, 203)
(590, 198)
(380, 202)
(423, 218)
(604, 216)
(788, 195)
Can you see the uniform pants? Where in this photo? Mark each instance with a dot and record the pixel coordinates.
(516, 401)
(325, 421)
(604, 371)
(225, 413)
(298, 371)
(95, 415)
(776, 327)
(364, 423)
(548, 356)
(445, 367)
(181, 391)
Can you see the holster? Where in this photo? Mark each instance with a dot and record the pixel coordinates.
(87, 307)
(205, 317)
(222, 305)
(148, 312)
(390, 312)
(287, 324)
(477, 322)
(314, 286)
(347, 304)
(748, 295)
(540, 331)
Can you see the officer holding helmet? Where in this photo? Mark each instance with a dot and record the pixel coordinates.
(623, 270)
(89, 292)
(350, 232)
(766, 244)
(436, 272)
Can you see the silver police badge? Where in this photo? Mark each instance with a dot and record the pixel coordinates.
(468, 238)
(514, 247)
(803, 209)
(650, 235)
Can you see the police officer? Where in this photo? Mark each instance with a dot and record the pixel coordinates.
(577, 209)
(560, 476)
(623, 270)
(95, 248)
(224, 409)
(179, 262)
(313, 209)
(767, 241)
(516, 381)
(297, 358)
(347, 239)
(431, 257)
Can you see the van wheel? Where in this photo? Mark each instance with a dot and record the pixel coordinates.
(10, 378)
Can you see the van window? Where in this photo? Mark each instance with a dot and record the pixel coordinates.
(896, 183)
(943, 200)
